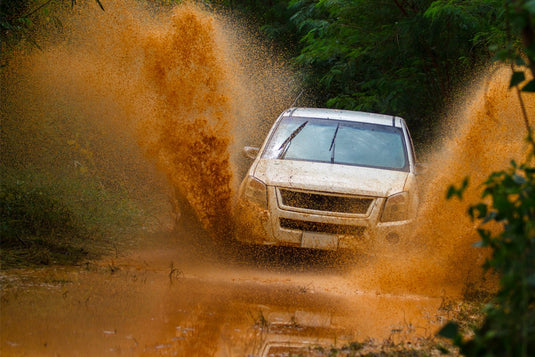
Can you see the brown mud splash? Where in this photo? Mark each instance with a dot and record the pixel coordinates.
(189, 131)
(485, 133)
(180, 81)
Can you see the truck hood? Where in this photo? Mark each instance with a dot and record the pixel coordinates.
(326, 177)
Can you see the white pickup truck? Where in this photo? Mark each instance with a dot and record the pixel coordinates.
(329, 179)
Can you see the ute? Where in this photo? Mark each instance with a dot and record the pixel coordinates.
(329, 179)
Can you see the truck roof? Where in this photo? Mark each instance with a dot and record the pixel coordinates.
(349, 115)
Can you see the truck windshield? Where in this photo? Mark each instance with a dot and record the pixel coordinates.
(338, 142)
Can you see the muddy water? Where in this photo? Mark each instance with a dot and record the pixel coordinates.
(175, 82)
(172, 299)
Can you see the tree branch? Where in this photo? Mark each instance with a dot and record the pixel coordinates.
(401, 8)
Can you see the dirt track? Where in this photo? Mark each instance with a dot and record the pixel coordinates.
(177, 295)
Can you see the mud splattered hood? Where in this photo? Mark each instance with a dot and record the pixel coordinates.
(327, 177)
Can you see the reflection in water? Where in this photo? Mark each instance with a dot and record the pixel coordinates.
(139, 306)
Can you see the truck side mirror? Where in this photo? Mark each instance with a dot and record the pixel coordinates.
(251, 152)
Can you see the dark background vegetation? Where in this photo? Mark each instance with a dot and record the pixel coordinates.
(408, 58)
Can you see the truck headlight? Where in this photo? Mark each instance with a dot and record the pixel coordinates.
(396, 208)
(255, 191)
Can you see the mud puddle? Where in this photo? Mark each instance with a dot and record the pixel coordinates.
(169, 299)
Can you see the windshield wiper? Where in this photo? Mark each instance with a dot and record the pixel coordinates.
(332, 147)
(286, 144)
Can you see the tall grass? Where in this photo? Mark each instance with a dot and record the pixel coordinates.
(46, 219)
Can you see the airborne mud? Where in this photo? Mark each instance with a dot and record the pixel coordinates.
(184, 90)
(486, 131)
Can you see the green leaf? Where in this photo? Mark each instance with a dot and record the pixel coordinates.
(478, 211)
(454, 191)
(530, 87)
(485, 235)
(517, 78)
(450, 330)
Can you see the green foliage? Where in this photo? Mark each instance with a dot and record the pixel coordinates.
(518, 47)
(272, 18)
(409, 58)
(454, 191)
(36, 228)
(401, 57)
(508, 203)
(15, 22)
(396, 57)
(509, 328)
(18, 18)
(509, 325)
(59, 220)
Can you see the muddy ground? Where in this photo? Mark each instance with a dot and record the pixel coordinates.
(179, 293)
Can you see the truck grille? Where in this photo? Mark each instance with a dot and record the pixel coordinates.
(321, 227)
(324, 202)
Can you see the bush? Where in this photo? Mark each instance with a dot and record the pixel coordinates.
(509, 325)
(37, 229)
(49, 220)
